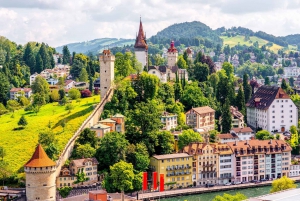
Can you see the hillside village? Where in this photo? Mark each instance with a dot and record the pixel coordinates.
(194, 118)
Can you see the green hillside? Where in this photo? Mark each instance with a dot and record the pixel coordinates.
(97, 45)
(20, 144)
(239, 39)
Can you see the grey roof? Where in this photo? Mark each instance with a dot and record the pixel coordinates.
(100, 126)
(168, 156)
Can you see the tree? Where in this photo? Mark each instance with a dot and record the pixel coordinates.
(13, 105)
(123, 64)
(43, 52)
(291, 81)
(4, 88)
(66, 55)
(76, 68)
(284, 85)
(228, 197)
(111, 141)
(177, 90)
(226, 117)
(85, 151)
(213, 136)
(193, 96)
(38, 64)
(181, 63)
(201, 71)
(240, 101)
(46, 138)
(74, 94)
(80, 177)
(87, 136)
(146, 86)
(69, 107)
(165, 92)
(52, 151)
(187, 137)
(139, 157)
(165, 143)
(280, 71)
(294, 137)
(2, 153)
(282, 184)
(22, 121)
(5, 171)
(247, 88)
(83, 76)
(267, 81)
(62, 93)
(40, 86)
(85, 93)
(122, 176)
(263, 135)
(225, 89)
(54, 95)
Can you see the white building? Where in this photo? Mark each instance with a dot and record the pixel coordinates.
(169, 121)
(32, 78)
(243, 133)
(270, 108)
(294, 171)
(16, 92)
(69, 84)
(226, 172)
(52, 81)
(291, 71)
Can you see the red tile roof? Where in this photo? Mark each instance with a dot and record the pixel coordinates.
(227, 136)
(40, 159)
(172, 48)
(140, 41)
(20, 89)
(203, 110)
(242, 130)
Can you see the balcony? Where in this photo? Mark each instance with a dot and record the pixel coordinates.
(238, 159)
(256, 167)
(238, 169)
(273, 161)
(238, 174)
(238, 163)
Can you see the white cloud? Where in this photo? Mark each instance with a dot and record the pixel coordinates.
(59, 22)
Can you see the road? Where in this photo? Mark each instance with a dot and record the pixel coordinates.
(196, 190)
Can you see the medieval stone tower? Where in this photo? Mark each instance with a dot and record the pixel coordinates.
(107, 73)
(40, 176)
(172, 55)
(141, 47)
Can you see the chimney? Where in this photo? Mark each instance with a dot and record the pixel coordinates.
(247, 142)
(235, 144)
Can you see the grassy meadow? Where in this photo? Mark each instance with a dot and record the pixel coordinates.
(20, 144)
(232, 41)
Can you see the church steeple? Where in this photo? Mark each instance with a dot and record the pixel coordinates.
(140, 41)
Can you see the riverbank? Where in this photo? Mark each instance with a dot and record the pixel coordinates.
(202, 190)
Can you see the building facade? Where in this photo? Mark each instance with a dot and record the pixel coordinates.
(175, 167)
(293, 71)
(294, 171)
(40, 176)
(201, 118)
(169, 121)
(107, 74)
(270, 108)
(14, 93)
(88, 166)
(172, 55)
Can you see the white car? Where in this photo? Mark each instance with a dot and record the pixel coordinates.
(227, 184)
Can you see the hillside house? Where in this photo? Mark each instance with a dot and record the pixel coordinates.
(201, 118)
(14, 93)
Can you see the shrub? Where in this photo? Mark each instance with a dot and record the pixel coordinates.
(74, 94)
(86, 93)
(22, 121)
(96, 91)
(64, 191)
(69, 107)
(23, 101)
(29, 108)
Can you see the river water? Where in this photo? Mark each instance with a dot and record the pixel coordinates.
(250, 192)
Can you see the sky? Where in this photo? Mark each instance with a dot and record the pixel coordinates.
(59, 22)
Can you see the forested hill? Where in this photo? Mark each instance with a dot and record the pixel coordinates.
(187, 30)
(292, 39)
(97, 45)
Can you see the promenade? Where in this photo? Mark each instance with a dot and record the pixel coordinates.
(200, 190)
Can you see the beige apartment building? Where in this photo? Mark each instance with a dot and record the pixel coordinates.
(201, 118)
(175, 167)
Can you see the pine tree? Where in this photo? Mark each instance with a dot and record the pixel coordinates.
(32, 63)
(226, 117)
(27, 53)
(267, 81)
(45, 56)
(22, 121)
(247, 88)
(83, 76)
(291, 81)
(284, 85)
(240, 101)
(39, 64)
(66, 55)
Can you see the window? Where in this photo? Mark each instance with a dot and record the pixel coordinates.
(291, 106)
(282, 121)
(182, 178)
(273, 117)
(281, 105)
(282, 116)
(291, 110)
(273, 106)
(162, 161)
(273, 111)
(291, 121)
(273, 121)
(282, 111)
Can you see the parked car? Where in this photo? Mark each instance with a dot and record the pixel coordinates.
(236, 182)
(263, 180)
(209, 185)
(245, 182)
(227, 184)
(253, 181)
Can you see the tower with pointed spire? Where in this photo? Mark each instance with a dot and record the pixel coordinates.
(141, 47)
(172, 55)
(40, 176)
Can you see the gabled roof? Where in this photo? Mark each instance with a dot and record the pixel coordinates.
(265, 95)
(242, 130)
(100, 126)
(140, 41)
(20, 89)
(107, 121)
(69, 81)
(227, 136)
(80, 162)
(172, 48)
(162, 69)
(203, 110)
(40, 159)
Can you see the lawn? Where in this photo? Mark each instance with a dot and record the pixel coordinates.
(232, 41)
(20, 144)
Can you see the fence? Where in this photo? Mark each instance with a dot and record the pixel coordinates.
(91, 120)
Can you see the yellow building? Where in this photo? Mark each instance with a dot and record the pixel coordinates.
(175, 167)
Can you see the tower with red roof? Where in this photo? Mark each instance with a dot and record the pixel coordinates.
(172, 55)
(141, 47)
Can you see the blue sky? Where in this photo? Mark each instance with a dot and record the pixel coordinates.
(58, 22)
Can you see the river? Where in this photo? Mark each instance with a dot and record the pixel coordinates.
(250, 192)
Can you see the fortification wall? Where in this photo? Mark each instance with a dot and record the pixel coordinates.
(90, 121)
